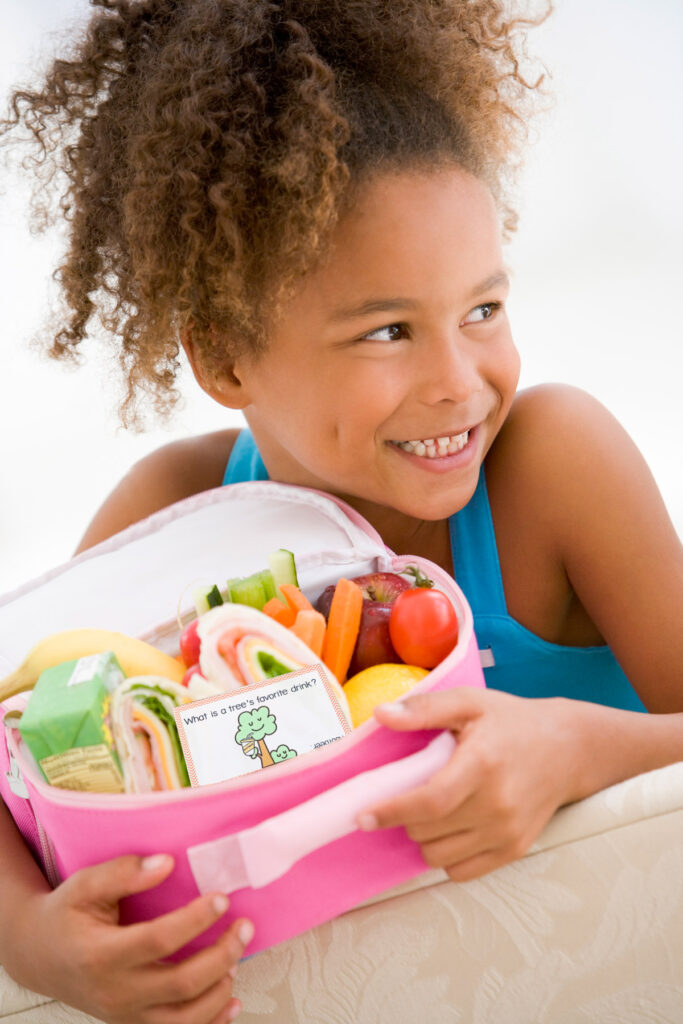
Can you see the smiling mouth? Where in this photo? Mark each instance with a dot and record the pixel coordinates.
(435, 447)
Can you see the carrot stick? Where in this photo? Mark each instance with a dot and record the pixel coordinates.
(310, 626)
(343, 623)
(282, 613)
(295, 599)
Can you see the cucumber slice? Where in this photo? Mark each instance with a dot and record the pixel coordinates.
(208, 597)
(253, 590)
(214, 597)
(283, 569)
(268, 584)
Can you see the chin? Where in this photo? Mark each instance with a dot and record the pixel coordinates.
(434, 509)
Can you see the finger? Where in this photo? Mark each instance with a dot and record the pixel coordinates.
(463, 819)
(444, 709)
(188, 980)
(435, 800)
(147, 941)
(475, 853)
(204, 1009)
(107, 883)
(480, 864)
(231, 1013)
(454, 849)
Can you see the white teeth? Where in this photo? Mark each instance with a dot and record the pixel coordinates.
(436, 448)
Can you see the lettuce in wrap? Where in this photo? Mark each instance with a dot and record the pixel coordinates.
(146, 734)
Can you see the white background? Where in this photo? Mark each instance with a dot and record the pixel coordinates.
(597, 273)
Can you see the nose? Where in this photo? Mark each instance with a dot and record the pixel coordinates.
(450, 369)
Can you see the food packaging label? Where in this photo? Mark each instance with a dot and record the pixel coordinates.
(260, 725)
(69, 709)
(92, 769)
(104, 667)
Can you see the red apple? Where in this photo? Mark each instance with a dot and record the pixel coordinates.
(373, 646)
(325, 600)
(380, 590)
(380, 587)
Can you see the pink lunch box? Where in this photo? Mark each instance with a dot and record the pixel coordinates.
(281, 842)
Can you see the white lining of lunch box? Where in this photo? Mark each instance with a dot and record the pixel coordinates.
(319, 519)
(62, 599)
(153, 563)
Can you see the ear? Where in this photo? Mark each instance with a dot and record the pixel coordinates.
(225, 386)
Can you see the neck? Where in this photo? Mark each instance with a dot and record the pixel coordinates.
(406, 535)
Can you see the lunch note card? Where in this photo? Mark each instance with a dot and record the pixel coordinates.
(257, 726)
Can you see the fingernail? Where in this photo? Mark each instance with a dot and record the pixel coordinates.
(245, 932)
(156, 861)
(396, 707)
(367, 822)
(220, 903)
(232, 972)
(235, 1011)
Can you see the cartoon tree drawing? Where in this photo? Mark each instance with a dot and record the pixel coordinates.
(283, 752)
(254, 726)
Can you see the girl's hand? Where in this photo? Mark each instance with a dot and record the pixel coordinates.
(514, 765)
(83, 957)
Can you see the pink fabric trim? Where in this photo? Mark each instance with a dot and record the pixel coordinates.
(261, 854)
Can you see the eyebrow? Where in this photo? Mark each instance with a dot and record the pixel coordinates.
(392, 305)
(496, 280)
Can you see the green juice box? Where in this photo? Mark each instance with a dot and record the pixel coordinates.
(66, 724)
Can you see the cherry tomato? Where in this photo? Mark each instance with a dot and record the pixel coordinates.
(423, 626)
(189, 644)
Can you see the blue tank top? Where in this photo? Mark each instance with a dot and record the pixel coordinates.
(514, 658)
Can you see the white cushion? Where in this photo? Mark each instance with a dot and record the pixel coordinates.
(587, 927)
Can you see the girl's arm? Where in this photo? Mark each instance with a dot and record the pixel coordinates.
(67, 944)
(517, 761)
(590, 495)
(595, 511)
(167, 475)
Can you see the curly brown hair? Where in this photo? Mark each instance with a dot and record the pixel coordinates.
(203, 150)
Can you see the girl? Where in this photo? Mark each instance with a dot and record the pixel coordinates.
(308, 197)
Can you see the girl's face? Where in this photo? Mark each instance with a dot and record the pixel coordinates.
(391, 369)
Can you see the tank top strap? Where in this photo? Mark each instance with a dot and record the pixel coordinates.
(245, 462)
(475, 555)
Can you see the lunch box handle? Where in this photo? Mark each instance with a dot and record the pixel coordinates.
(259, 855)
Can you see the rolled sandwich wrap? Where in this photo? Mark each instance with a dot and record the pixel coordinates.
(146, 734)
(240, 645)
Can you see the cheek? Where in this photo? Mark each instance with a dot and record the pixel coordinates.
(505, 367)
(515, 365)
(334, 406)
(362, 391)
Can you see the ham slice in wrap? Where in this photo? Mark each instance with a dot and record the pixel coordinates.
(240, 645)
(146, 734)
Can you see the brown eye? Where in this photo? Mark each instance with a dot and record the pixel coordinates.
(392, 332)
(485, 311)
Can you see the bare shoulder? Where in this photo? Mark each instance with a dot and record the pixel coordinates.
(550, 418)
(169, 474)
(561, 441)
(566, 479)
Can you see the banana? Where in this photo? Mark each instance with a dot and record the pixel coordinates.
(136, 657)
